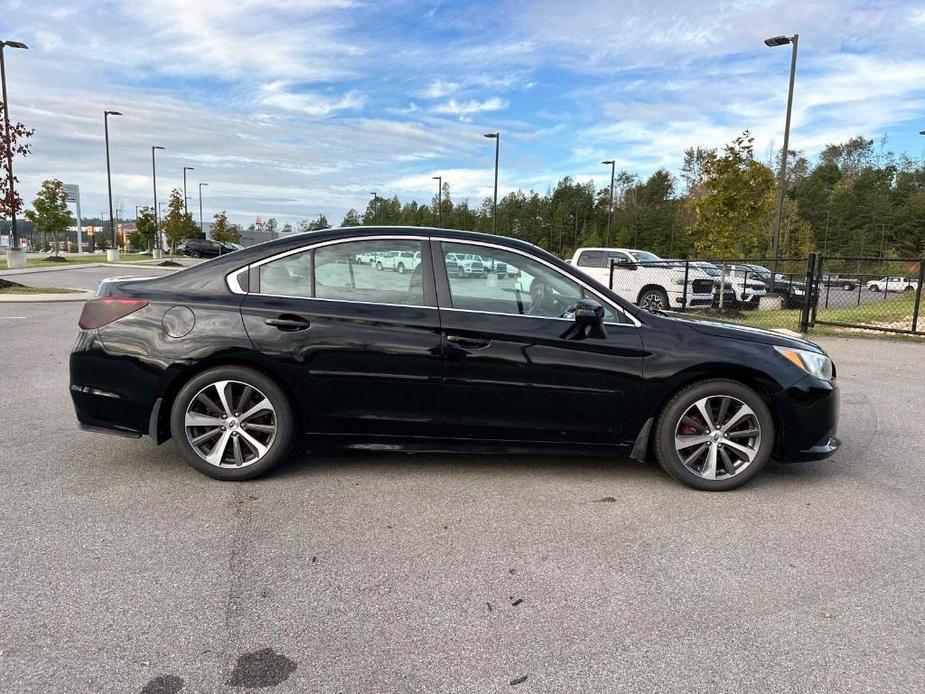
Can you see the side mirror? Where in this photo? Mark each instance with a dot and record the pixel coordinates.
(589, 321)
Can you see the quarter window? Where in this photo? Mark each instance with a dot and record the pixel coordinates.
(591, 259)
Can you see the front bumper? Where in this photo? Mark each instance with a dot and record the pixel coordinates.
(807, 421)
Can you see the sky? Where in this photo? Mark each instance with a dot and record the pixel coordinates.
(293, 108)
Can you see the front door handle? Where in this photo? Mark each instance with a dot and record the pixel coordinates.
(288, 323)
(469, 342)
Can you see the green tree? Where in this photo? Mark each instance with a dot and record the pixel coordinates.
(270, 226)
(287, 228)
(49, 213)
(732, 219)
(351, 219)
(224, 231)
(177, 225)
(145, 233)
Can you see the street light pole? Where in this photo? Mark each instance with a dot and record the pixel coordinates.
(613, 170)
(185, 205)
(496, 136)
(157, 219)
(202, 228)
(439, 180)
(14, 237)
(794, 42)
(112, 223)
(375, 206)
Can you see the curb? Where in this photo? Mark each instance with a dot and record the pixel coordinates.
(45, 298)
(81, 266)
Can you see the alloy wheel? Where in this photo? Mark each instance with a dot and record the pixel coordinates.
(230, 424)
(653, 300)
(718, 437)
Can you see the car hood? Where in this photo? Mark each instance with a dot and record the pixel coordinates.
(717, 328)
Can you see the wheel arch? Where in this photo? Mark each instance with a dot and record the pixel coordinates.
(648, 287)
(760, 382)
(160, 418)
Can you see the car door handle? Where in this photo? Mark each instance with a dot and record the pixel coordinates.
(469, 342)
(288, 324)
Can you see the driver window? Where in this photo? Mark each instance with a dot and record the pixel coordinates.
(496, 281)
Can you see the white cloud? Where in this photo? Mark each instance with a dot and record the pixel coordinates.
(438, 89)
(313, 105)
(464, 109)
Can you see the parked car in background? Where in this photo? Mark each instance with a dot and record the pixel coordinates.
(738, 287)
(791, 290)
(645, 279)
(239, 358)
(399, 261)
(465, 265)
(833, 280)
(893, 284)
(204, 248)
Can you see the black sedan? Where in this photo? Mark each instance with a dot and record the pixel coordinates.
(240, 358)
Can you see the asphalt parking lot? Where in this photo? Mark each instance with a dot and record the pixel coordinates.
(123, 570)
(83, 277)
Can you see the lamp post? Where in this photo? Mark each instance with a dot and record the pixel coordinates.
(774, 42)
(613, 170)
(202, 228)
(496, 136)
(375, 206)
(14, 236)
(439, 180)
(112, 221)
(185, 206)
(157, 221)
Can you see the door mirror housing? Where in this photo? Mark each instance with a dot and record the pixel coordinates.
(589, 321)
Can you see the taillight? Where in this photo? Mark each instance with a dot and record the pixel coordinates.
(99, 312)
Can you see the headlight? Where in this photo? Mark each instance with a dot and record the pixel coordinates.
(797, 290)
(818, 365)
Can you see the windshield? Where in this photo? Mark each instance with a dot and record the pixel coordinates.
(645, 256)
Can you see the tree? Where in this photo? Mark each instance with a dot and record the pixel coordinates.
(177, 225)
(733, 218)
(223, 231)
(10, 201)
(145, 233)
(270, 227)
(287, 228)
(50, 214)
(351, 219)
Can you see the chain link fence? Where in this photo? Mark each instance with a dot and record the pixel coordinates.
(863, 294)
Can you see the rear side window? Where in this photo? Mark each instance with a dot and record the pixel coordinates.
(290, 275)
(373, 271)
(591, 259)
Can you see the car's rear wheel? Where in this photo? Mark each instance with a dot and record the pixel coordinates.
(232, 423)
(655, 298)
(379, 266)
(401, 268)
(714, 435)
(847, 287)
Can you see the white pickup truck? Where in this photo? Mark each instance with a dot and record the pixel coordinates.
(399, 261)
(645, 279)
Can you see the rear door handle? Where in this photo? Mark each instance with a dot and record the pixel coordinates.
(288, 323)
(469, 342)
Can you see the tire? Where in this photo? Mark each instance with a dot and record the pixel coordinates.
(379, 266)
(847, 287)
(401, 268)
(909, 288)
(194, 254)
(873, 288)
(461, 273)
(654, 297)
(238, 458)
(732, 468)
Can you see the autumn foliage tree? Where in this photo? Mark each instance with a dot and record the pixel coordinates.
(11, 146)
(223, 231)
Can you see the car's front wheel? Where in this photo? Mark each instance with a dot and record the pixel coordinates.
(232, 423)
(714, 435)
(874, 288)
